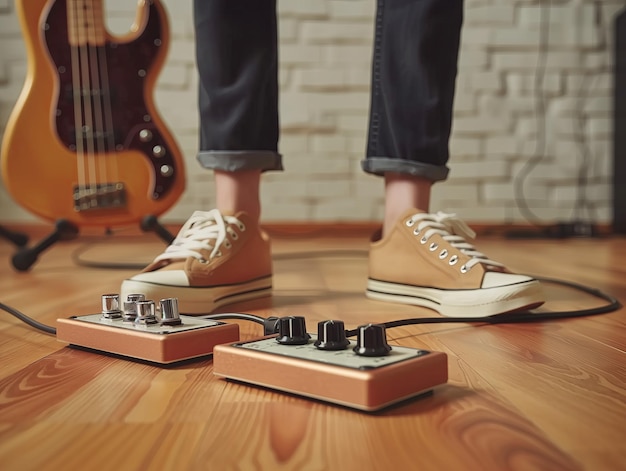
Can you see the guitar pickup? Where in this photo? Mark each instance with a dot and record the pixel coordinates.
(99, 196)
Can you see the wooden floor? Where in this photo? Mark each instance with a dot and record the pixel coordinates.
(537, 396)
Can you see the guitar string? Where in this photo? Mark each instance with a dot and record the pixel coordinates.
(86, 99)
(95, 136)
(82, 103)
(109, 130)
(94, 42)
(74, 38)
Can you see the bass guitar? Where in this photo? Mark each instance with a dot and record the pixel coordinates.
(85, 142)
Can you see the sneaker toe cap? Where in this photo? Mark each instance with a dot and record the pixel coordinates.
(163, 277)
(495, 279)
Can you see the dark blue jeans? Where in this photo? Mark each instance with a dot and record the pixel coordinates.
(414, 70)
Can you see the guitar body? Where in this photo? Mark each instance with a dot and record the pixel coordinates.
(85, 142)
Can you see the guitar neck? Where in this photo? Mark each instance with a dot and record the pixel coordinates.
(85, 22)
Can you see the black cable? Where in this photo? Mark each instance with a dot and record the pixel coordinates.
(79, 261)
(540, 115)
(519, 317)
(242, 316)
(104, 265)
(582, 179)
(582, 203)
(270, 324)
(32, 322)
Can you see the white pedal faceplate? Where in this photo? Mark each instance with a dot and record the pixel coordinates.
(346, 358)
(188, 323)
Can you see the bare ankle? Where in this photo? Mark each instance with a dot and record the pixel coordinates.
(403, 192)
(238, 191)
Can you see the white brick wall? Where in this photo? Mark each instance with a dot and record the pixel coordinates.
(324, 74)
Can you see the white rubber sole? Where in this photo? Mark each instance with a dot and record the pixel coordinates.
(482, 302)
(198, 301)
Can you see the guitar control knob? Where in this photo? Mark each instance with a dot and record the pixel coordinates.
(111, 306)
(169, 312)
(331, 335)
(372, 341)
(292, 331)
(145, 135)
(158, 151)
(167, 170)
(146, 313)
(130, 306)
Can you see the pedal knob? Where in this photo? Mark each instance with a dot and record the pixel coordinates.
(292, 331)
(169, 312)
(372, 341)
(130, 306)
(146, 313)
(331, 335)
(111, 306)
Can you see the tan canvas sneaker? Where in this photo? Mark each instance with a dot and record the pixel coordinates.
(216, 259)
(425, 260)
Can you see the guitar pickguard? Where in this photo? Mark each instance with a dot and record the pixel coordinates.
(101, 105)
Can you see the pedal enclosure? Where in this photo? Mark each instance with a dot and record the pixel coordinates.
(341, 377)
(196, 337)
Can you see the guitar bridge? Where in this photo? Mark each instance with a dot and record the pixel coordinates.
(99, 196)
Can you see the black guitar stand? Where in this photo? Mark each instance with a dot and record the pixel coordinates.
(17, 238)
(65, 230)
(151, 223)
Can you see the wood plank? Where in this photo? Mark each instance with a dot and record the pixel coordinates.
(549, 395)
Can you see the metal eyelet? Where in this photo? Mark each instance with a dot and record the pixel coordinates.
(219, 254)
(443, 254)
(416, 231)
(241, 227)
(234, 235)
(434, 246)
(453, 260)
(423, 240)
(203, 260)
(227, 244)
(410, 222)
(464, 269)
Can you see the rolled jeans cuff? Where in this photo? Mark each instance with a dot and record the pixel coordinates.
(233, 161)
(381, 165)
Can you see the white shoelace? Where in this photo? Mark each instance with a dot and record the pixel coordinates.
(454, 231)
(204, 230)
